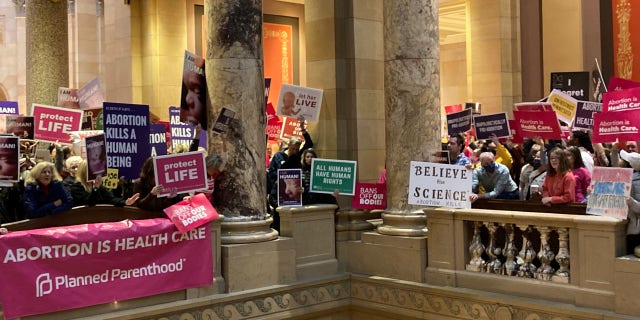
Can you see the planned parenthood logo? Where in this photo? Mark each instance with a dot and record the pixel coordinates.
(44, 285)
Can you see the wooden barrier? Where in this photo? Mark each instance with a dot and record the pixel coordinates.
(530, 206)
(84, 214)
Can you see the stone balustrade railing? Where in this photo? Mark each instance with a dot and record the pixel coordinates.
(560, 257)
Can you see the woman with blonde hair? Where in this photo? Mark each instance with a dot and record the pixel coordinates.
(90, 193)
(44, 192)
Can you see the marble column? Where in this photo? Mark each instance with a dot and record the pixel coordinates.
(47, 50)
(412, 104)
(235, 78)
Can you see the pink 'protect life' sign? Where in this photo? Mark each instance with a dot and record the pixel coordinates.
(82, 265)
(55, 124)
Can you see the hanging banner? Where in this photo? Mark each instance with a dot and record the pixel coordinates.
(76, 266)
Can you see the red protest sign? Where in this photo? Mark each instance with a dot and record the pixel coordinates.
(537, 123)
(622, 125)
(370, 196)
(621, 100)
(291, 128)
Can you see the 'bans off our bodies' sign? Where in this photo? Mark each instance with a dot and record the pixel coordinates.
(440, 185)
(55, 124)
(183, 171)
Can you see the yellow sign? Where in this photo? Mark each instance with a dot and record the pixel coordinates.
(564, 105)
(111, 180)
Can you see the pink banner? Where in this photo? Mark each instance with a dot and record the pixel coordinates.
(621, 125)
(537, 123)
(183, 171)
(453, 108)
(370, 196)
(627, 99)
(54, 123)
(77, 266)
(516, 136)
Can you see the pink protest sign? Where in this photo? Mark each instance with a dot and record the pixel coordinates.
(621, 125)
(537, 123)
(370, 196)
(274, 123)
(181, 172)
(516, 136)
(453, 108)
(626, 99)
(191, 213)
(82, 265)
(617, 84)
(54, 123)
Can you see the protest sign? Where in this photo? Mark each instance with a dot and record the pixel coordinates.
(77, 139)
(54, 123)
(126, 129)
(20, 126)
(9, 156)
(182, 134)
(489, 124)
(627, 99)
(92, 119)
(191, 213)
(533, 106)
(158, 139)
(441, 185)
(9, 107)
(516, 136)
(289, 187)
(370, 196)
(90, 264)
(68, 98)
(531, 124)
(611, 188)
(618, 84)
(295, 101)
(291, 128)
(224, 119)
(564, 105)
(330, 175)
(621, 125)
(584, 114)
(459, 122)
(453, 108)
(90, 96)
(110, 181)
(96, 156)
(274, 123)
(573, 84)
(180, 172)
(193, 104)
(440, 157)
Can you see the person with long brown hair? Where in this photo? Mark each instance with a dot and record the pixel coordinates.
(559, 185)
(91, 192)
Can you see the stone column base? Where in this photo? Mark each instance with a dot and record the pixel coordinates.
(399, 223)
(246, 231)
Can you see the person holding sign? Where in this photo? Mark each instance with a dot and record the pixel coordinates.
(146, 188)
(632, 160)
(494, 178)
(90, 193)
(559, 185)
(456, 146)
(309, 197)
(44, 192)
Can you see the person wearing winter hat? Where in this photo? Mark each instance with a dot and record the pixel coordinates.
(632, 160)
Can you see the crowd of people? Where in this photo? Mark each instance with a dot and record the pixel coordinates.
(552, 172)
(55, 186)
